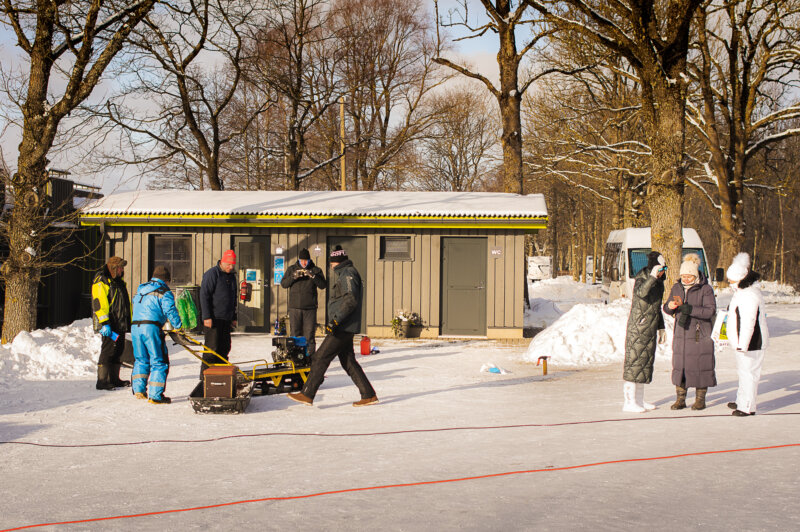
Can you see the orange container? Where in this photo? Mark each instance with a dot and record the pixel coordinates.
(365, 345)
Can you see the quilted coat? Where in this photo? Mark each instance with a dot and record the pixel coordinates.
(644, 322)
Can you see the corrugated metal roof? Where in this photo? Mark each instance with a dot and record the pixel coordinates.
(319, 203)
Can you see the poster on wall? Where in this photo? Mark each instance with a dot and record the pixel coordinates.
(278, 269)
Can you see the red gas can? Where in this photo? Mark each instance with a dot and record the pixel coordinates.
(365, 346)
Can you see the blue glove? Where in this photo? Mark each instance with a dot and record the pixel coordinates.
(105, 330)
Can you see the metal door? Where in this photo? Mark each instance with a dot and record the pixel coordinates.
(252, 255)
(356, 248)
(464, 286)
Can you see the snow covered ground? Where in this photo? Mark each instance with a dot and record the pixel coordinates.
(450, 447)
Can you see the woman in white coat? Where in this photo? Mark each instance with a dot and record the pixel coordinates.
(747, 332)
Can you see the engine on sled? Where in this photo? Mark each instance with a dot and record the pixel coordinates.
(291, 365)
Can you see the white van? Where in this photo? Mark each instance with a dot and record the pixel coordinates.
(626, 254)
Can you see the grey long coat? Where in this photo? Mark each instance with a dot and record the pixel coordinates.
(692, 346)
(644, 322)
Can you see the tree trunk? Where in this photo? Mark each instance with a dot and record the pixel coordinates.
(510, 100)
(664, 118)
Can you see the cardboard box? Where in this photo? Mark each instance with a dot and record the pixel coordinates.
(219, 382)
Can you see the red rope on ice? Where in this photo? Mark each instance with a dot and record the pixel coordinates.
(386, 433)
(409, 484)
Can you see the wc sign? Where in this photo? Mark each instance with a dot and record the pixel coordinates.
(496, 252)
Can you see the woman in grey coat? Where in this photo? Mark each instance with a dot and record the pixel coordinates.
(693, 305)
(645, 327)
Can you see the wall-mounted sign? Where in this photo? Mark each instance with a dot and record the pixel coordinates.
(278, 269)
(278, 250)
(496, 252)
(251, 276)
(317, 250)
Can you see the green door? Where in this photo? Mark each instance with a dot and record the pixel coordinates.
(356, 248)
(252, 268)
(464, 286)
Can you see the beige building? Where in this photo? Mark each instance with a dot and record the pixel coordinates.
(456, 258)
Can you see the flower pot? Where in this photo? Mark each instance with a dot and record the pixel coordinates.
(402, 332)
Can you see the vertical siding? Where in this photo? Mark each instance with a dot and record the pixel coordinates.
(414, 285)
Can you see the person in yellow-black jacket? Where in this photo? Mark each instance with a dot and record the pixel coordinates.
(111, 314)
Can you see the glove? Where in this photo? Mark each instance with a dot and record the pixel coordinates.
(661, 266)
(331, 327)
(685, 308)
(105, 330)
(662, 336)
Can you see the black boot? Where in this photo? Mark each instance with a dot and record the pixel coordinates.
(680, 403)
(732, 406)
(699, 399)
(103, 383)
(113, 376)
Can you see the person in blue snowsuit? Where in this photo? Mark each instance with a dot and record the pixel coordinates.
(153, 304)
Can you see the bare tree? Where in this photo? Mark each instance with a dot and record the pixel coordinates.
(745, 99)
(67, 47)
(507, 22)
(653, 37)
(455, 156)
(296, 59)
(189, 64)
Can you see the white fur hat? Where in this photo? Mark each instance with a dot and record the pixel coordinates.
(739, 267)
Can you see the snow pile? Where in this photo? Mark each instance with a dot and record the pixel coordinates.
(589, 334)
(542, 313)
(47, 354)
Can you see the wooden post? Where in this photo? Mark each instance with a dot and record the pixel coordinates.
(341, 142)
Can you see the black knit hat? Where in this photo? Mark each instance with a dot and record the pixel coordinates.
(162, 272)
(304, 254)
(652, 259)
(338, 254)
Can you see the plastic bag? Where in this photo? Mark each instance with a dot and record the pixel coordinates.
(719, 332)
(187, 310)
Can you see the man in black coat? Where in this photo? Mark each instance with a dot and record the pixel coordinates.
(303, 279)
(344, 315)
(111, 314)
(218, 308)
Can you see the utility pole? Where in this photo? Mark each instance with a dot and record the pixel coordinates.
(341, 143)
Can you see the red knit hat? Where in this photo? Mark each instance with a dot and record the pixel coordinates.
(229, 256)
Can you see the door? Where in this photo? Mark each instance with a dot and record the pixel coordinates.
(464, 286)
(252, 260)
(356, 248)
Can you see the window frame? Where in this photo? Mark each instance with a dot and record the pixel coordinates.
(395, 257)
(154, 261)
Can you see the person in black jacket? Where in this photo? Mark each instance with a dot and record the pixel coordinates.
(303, 279)
(218, 308)
(111, 315)
(344, 314)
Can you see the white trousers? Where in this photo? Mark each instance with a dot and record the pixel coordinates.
(748, 365)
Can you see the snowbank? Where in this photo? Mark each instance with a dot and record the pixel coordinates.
(589, 334)
(551, 298)
(48, 354)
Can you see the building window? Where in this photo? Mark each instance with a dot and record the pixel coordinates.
(396, 248)
(174, 252)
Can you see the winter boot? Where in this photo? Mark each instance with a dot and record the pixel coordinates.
(640, 398)
(739, 413)
(629, 393)
(699, 398)
(113, 376)
(732, 406)
(102, 378)
(140, 395)
(300, 398)
(680, 404)
(366, 402)
(163, 401)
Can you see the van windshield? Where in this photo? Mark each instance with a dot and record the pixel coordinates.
(637, 259)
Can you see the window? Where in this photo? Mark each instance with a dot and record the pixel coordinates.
(174, 252)
(396, 248)
(638, 259)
